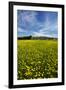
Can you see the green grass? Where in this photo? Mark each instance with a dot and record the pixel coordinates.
(37, 59)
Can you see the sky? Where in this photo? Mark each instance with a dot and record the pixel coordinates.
(37, 23)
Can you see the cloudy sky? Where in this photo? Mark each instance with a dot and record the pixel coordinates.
(37, 23)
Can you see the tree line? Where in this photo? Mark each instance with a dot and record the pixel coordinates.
(35, 38)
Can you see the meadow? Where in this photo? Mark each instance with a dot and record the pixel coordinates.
(37, 59)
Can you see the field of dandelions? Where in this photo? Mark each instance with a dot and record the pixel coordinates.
(37, 59)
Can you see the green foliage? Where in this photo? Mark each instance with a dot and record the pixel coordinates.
(37, 59)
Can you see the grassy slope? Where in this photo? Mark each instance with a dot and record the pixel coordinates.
(37, 59)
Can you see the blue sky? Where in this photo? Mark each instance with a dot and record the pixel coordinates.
(37, 23)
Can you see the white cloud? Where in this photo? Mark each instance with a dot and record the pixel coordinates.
(48, 29)
(38, 34)
(43, 34)
(29, 17)
(20, 30)
(29, 22)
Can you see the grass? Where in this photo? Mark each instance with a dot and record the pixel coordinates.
(37, 59)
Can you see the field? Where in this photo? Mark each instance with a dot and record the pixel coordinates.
(37, 59)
